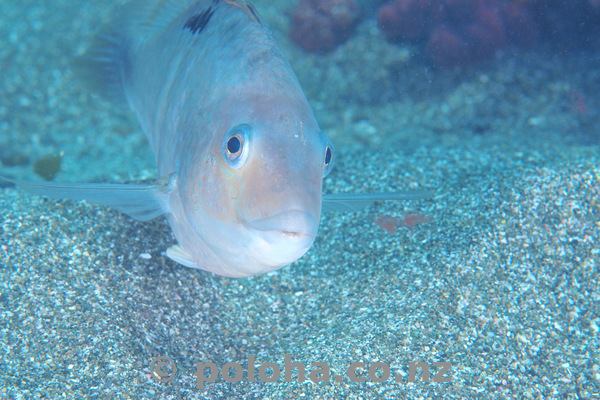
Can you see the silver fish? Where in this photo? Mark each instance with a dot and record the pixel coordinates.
(240, 156)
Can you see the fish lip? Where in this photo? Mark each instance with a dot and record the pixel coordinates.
(290, 223)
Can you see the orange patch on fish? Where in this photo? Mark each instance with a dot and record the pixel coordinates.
(390, 224)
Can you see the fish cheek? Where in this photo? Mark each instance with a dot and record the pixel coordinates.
(219, 191)
(200, 192)
(232, 185)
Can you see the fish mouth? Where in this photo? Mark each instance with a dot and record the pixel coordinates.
(294, 224)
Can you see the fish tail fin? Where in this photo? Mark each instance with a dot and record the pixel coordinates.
(141, 202)
(105, 66)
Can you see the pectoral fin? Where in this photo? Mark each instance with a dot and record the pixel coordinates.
(179, 255)
(141, 202)
(349, 202)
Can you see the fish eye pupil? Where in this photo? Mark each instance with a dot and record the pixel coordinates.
(234, 145)
(328, 156)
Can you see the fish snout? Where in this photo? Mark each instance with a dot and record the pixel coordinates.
(289, 224)
(283, 237)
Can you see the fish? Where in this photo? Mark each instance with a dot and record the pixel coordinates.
(240, 156)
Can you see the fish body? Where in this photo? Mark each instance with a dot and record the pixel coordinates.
(210, 78)
(239, 152)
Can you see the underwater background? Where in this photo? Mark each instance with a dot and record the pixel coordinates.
(497, 274)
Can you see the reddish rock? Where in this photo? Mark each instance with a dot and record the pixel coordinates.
(446, 48)
(520, 27)
(321, 25)
(409, 19)
(458, 32)
(473, 39)
(595, 4)
(486, 34)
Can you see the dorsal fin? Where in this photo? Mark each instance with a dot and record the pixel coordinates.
(104, 65)
(246, 8)
(150, 16)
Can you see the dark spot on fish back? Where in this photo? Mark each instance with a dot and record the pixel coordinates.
(198, 22)
(253, 12)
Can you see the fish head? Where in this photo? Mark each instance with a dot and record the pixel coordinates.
(256, 191)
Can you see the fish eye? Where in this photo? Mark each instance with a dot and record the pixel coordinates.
(328, 156)
(327, 160)
(235, 145)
